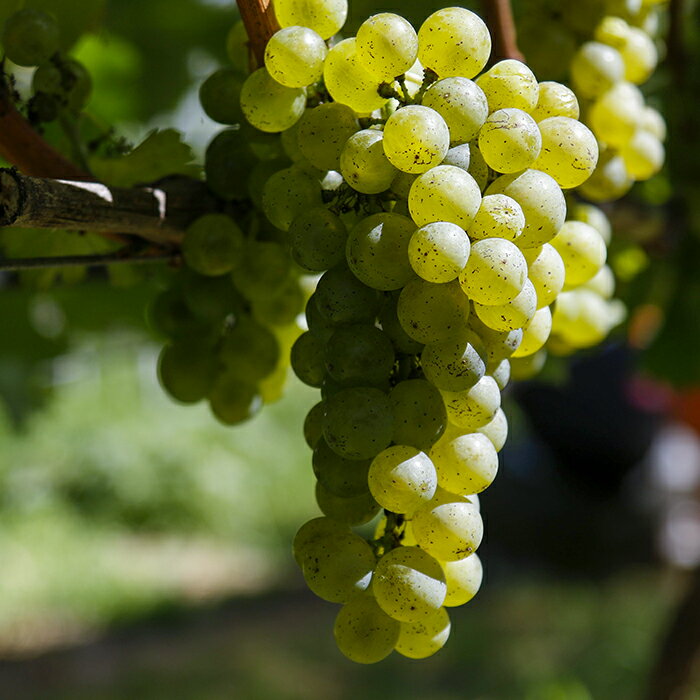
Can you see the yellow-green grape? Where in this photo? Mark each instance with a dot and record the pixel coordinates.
(444, 193)
(653, 122)
(409, 584)
(466, 464)
(416, 138)
(377, 251)
(582, 250)
(341, 298)
(610, 179)
(290, 144)
(401, 185)
(322, 133)
(453, 364)
(348, 81)
(269, 106)
(475, 407)
(459, 156)
(187, 369)
(454, 42)
(461, 103)
(287, 194)
(363, 163)
(617, 113)
(541, 200)
(595, 68)
(430, 312)
(317, 239)
(524, 368)
(350, 510)
(364, 632)
(569, 151)
(213, 244)
(515, 314)
(449, 527)
(595, 216)
(639, 56)
(402, 478)
(463, 580)
(496, 429)
(583, 319)
(313, 531)
(509, 140)
(546, 271)
(419, 414)
(387, 45)
(501, 374)
(497, 345)
(294, 56)
(612, 31)
(478, 168)
(555, 100)
(220, 96)
(535, 333)
(29, 36)
(438, 252)
(495, 273)
(499, 216)
(419, 640)
(263, 271)
(643, 155)
(509, 83)
(237, 46)
(602, 283)
(313, 425)
(326, 17)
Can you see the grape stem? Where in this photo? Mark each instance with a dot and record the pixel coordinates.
(499, 18)
(118, 257)
(260, 24)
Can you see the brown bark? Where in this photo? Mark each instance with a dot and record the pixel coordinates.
(260, 24)
(499, 18)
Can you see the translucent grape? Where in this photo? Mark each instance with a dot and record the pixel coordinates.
(213, 244)
(514, 314)
(595, 68)
(454, 42)
(639, 55)
(501, 373)
(389, 321)
(322, 133)
(350, 510)
(535, 333)
(364, 164)
(499, 216)
(478, 168)
(237, 46)
(546, 272)
(459, 156)
(653, 122)
(269, 106)
(466, 464)
(555, 100)
(509, 83)
(342, 298)
(249, 350)
(475, 407)
(342, 477)
(313, 424)
(616, 114)
(416, 138)
(524, 368)
(509, 140)
(314, 531)
(590, 214)
(326, 17)
(287, 194)
(496, 345)
(307, 358)
(453, 364)
(387, 45)
(602, 283)
(220, 96)
(294, 56)
(419, 413)
(438, 252)
(409, 584)
(643, 155)
(463, 579)
(610, 179)
(317, 239)
(496, 429)
(582, 250)
(30, 37)
(187, 370)
(234, 400)
(419, 640)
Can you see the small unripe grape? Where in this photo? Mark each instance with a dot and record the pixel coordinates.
(30, 37)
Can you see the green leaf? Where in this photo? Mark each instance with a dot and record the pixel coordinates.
(161, 153)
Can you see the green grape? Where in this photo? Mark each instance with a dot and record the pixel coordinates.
(263, 271)
(595, 68)
(419, 640)
(439, 251)
(617, 113)
(359, 355)
(409, 584)
(313, 532)
(350, 510)
(643, 155)
(653, 122)
(237, 46)
(463, 579)
(170, 315)
(259, 175)
(419, 413)
(294, 56)
(289, 139)
(316, 323)
(342, 298)
(495, 273)
(313, 425)
(496, 429)
(569, 151)
(322, 133)
(610, 179)
(317, 239)
(341, 477)
(389, 321)
(338, 567)
(475, 407)
(639, 55)
(514, 314)
(359, 422)
(249, 350)
(453, 364)
(47, 79)
(348, 81)
(30, 37)
(387, 45)
(466, 464)
(77, 84)
(444, 193)
(582, 250)
(555, 100)
(459, 156)
(546, 271)
(364, 164)
(213, 244)
(234, 400)
(402, 478)
(269, 106)
(377, 251)
(541, 200)
(401, 185)
(307, 358)
(364, 632)
(535, 333)
(430, 312)
(461, 103)
(499, 216)
(187, 369)
(454, 42)
(220, 96)
(509, 140)
(211, 298)
(510, 83)
(227, 164)
(495, 345)
(416, 138)
(524, 368)
(602, 283)
(478, 168)
(287, 194)
(448, 528)
(326, 17)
